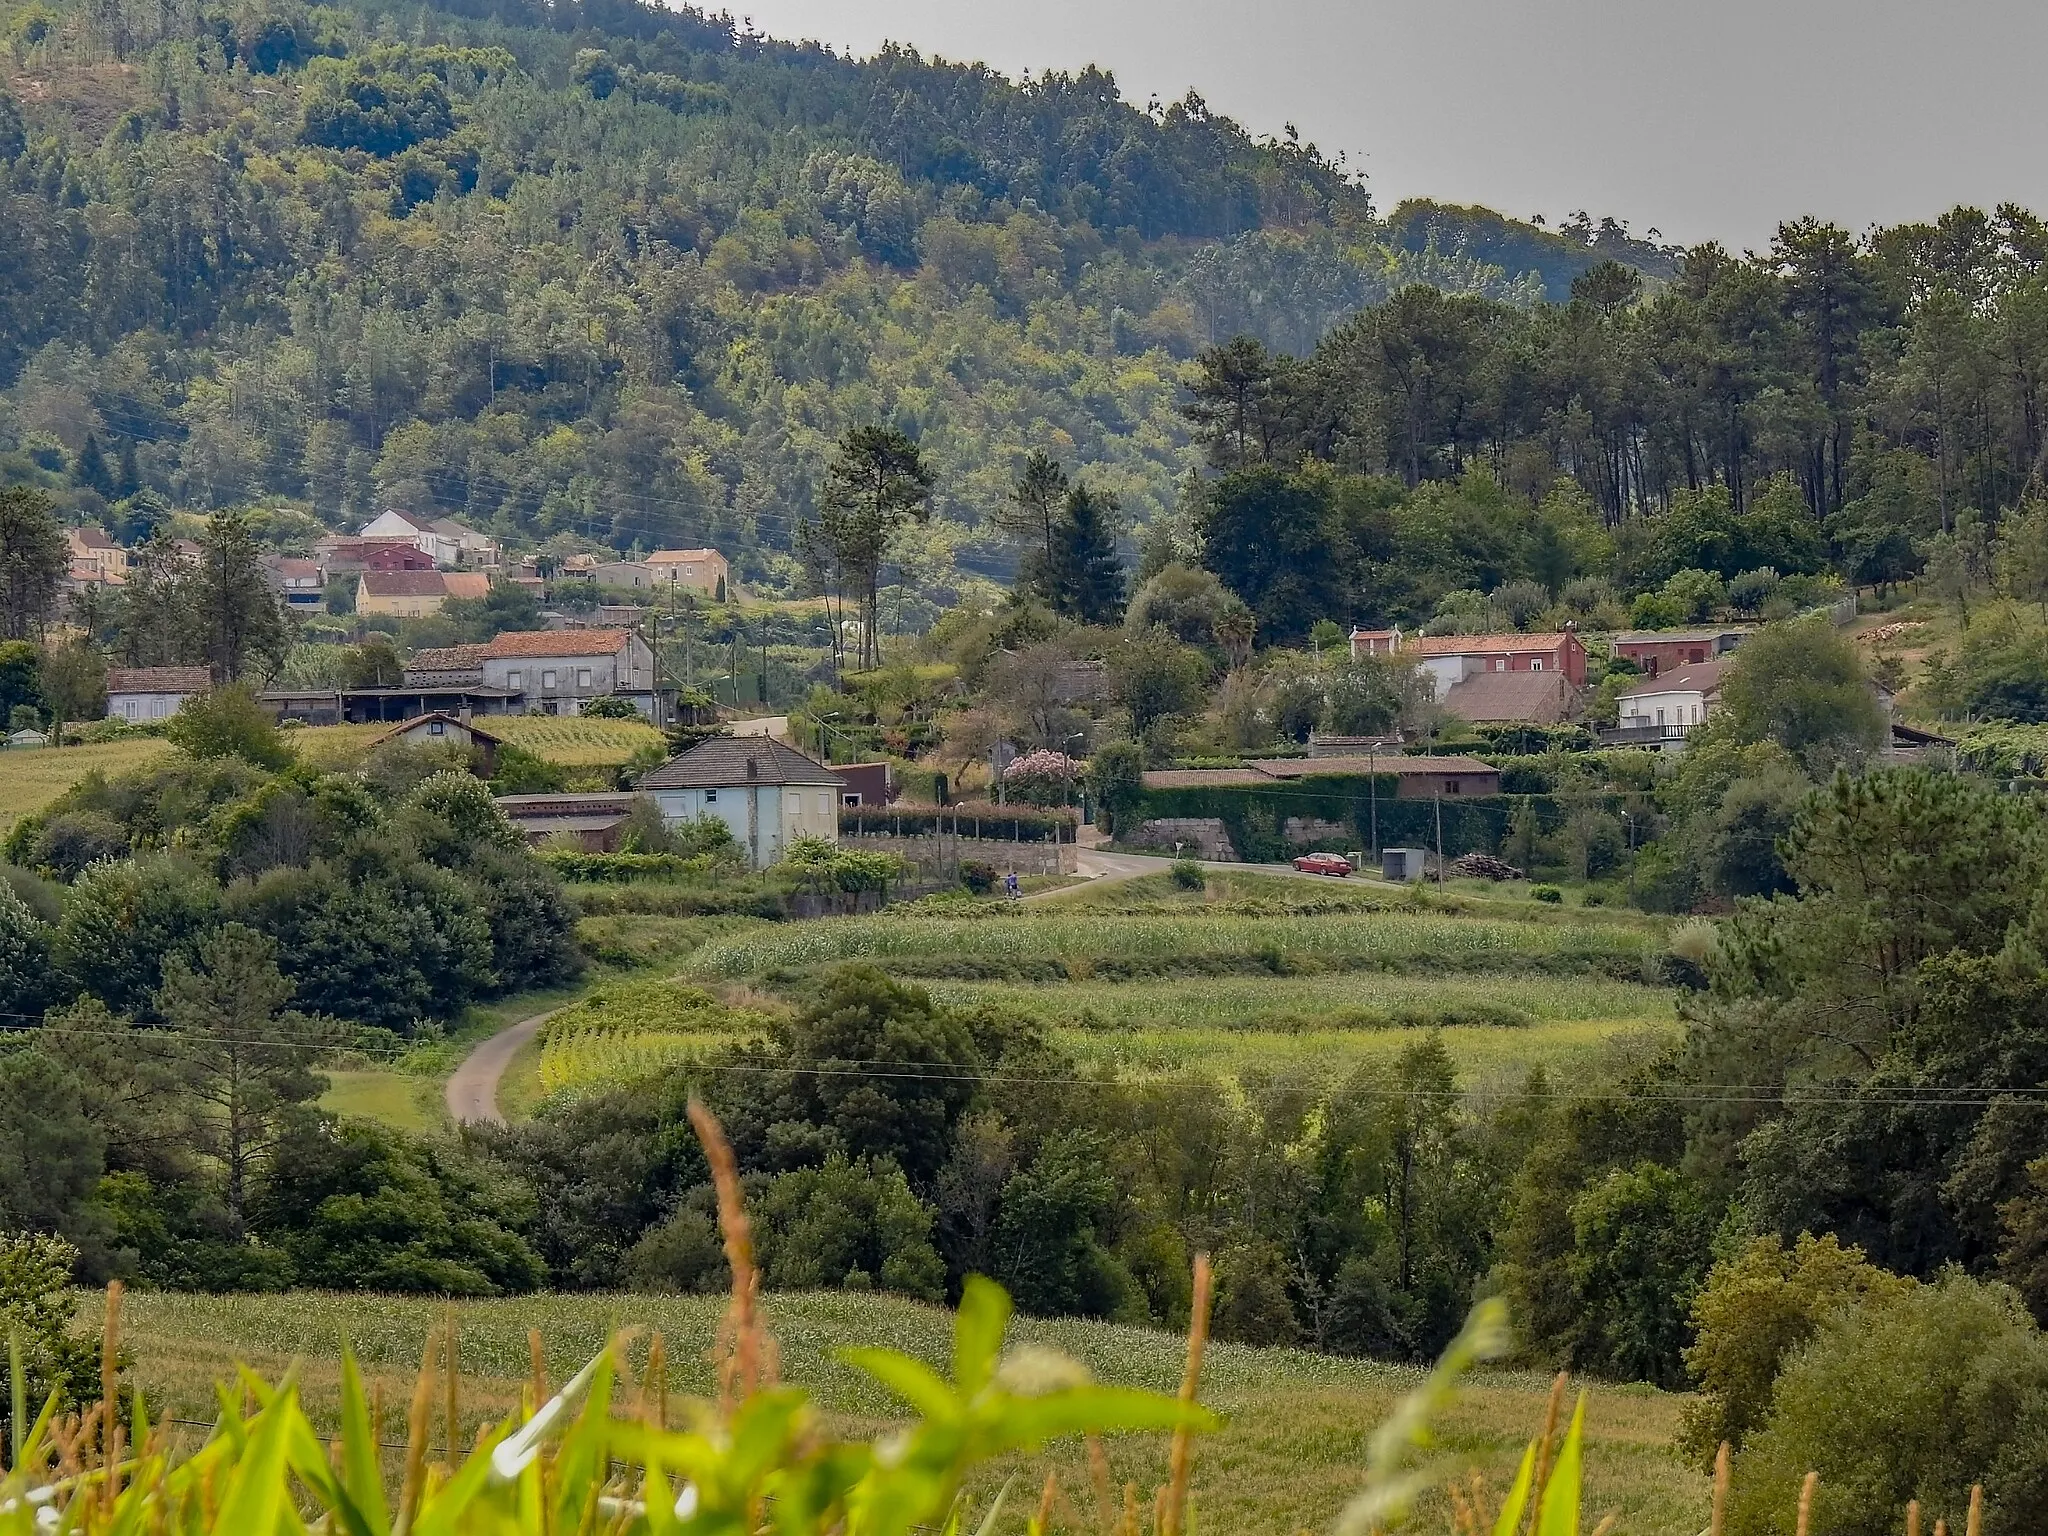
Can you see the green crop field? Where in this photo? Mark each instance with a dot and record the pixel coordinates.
(1290, 1452)
(35, 776)
(1059, 943)
(1158, 990)
(1493, 1025)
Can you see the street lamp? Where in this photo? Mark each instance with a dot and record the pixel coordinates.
(1077, 736)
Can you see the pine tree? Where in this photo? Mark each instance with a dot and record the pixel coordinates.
(130, 479)
(1084, 579)
(90, 470)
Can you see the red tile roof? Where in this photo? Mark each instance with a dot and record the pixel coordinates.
(558, 642)
(1473, 645)
(1525, 698)
(468, 584)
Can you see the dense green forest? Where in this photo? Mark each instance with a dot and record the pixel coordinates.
(619, 274)
(624, 273)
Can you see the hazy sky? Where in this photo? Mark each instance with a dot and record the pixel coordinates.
(1708, 119)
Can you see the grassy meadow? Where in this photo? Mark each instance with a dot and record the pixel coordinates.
(1290, 1453)
(34, 776)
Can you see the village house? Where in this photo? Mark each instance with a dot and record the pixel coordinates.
(416, 594)
(300, 582)
(1374, 642)
(152, 693)
(555, 671)
(703, 571)
(624, 573)
(444, 540)
(766, 791)
(445, 730)
(351, 557)
(1658, 713)
(1656, 651)
(95, 559)
(1450, 659)
(594, 823)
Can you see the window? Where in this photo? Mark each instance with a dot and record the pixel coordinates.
(825, 803)
(1660, 717)
(437, 727)
(515, 680)
(711, 797)
(1536, 664)
(583, 677)
(1450, 786)
(547, 680)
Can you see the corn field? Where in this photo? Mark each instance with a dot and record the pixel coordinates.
(630, 1031)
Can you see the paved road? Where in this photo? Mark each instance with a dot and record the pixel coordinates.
(472, 1091)
(1101, 864)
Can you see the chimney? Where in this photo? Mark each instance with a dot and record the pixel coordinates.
(753, 768)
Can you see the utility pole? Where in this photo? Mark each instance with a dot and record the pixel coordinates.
(1372, 790)
(1439, 838)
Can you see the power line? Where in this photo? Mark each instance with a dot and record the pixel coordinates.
(1902, 1095)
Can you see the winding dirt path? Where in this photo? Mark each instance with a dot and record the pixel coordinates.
(472, 1091)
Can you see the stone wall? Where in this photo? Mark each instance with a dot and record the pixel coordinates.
(939, 856)
(1203, 836)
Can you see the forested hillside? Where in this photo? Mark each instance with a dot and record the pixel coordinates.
(625, 273)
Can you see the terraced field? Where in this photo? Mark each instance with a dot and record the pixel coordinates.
(1130, 980)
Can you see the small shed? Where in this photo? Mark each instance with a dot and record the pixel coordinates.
(440, 729)
(1404, 863)
(28, 739)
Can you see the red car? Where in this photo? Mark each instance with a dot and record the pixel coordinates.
(1323, 864)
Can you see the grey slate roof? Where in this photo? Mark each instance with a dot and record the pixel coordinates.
(722, 763)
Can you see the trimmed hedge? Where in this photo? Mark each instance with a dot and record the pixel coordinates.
(971, 819)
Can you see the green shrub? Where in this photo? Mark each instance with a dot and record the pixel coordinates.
(1757, 1307)
(978, 877)
(1187, 874)
(1913, 1397)
(1549, 893)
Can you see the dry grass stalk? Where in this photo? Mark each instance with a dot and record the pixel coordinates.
(1099, 1480)
(1545, 1446)
(418, 1422)
(1976, 1521)
(1723, 1459)
(1806, 1505)
(1046, 1496)
(1482, 1520)
(453, 1410)
(1181, 1462)
(1128, 1526)
(537, 1359)
(744, 1352)
(1606, 1525)
(1912, 1517)
(654, 1387)
(1463, 1522)
(1941, 1528)
(110, 1397)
